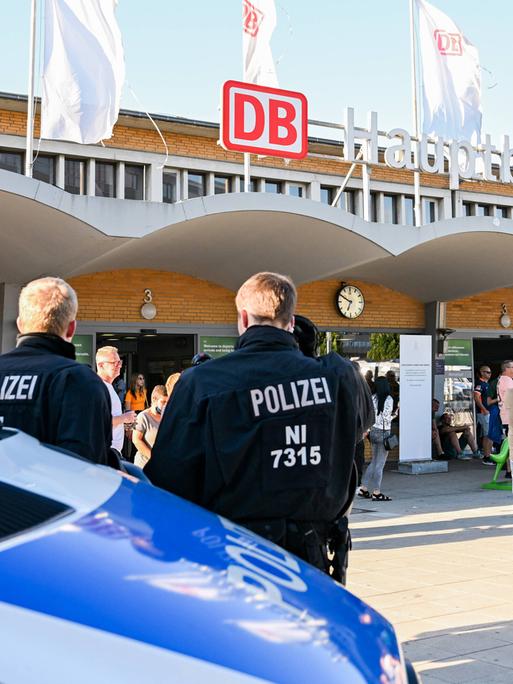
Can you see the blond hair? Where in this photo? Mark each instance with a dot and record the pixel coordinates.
(158, 391)
(47, 305)
(171, 382)
(268, 297)
(103, 352)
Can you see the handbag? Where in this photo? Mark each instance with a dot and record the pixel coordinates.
(390, 442)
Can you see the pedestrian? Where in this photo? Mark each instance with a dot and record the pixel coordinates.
(147, 425)
(380, 430)
(108, 365)
(481, 400)
(136, 398)
(264, 435)
(43, 390)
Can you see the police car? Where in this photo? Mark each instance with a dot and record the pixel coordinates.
(104, 578)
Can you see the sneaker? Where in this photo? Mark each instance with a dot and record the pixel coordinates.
(477, 454)
(507, 476)
(464, 457)
(488, 461)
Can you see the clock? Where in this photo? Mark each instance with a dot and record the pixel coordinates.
(350, 302)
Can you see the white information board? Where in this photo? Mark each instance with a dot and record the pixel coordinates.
(415, 398)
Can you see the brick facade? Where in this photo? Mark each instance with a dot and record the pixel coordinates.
(201, 147)
(481, 311)
(118, 296)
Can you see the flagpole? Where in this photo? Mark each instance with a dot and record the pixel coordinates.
(30, 101)
(415, 112)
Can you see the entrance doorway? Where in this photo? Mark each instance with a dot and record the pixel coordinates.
(492, 352)
(154, 355)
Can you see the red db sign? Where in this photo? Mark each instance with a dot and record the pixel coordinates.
(264, 120)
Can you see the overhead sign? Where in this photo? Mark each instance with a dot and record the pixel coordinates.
(264, 120)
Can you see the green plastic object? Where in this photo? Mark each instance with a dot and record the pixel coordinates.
(500, 459)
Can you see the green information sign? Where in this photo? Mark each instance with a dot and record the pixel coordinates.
(217, 346)
(84, 349)
(459, 353)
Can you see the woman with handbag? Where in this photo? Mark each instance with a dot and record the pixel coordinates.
(378, 436)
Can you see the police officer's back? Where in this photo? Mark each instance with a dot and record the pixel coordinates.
(264, 436)
(43, 390)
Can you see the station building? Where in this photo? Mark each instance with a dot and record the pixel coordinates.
(156, 246)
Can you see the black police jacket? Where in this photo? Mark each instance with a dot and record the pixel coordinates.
(264, 432)
(47, 394)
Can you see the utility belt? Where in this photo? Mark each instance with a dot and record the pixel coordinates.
(324, 545)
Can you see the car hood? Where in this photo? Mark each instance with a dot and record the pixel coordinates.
(150, 567)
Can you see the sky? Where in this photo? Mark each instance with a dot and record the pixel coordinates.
(339, 53)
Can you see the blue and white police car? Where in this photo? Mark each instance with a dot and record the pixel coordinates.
(104, 578)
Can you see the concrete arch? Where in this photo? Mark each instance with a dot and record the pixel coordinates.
(224, 238)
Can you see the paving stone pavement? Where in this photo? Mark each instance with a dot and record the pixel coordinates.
(437, 561)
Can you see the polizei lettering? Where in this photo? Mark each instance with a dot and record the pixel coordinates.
(290, 395)
(18, 387)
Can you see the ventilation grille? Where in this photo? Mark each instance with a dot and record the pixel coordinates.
(21, 510)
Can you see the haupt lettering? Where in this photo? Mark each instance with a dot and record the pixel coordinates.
(18, 387)
(291, 395)
(465, 159)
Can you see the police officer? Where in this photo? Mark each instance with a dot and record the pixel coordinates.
(43, 390)
(265, 436)
(338, 536)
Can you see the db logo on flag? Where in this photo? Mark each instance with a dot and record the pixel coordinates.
(448, 43)
(252, 17)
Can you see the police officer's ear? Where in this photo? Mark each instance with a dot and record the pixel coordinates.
(243, 321)
(70, 331)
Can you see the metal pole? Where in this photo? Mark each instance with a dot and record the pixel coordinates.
(415, 113)
(247, 171)
(30, 101)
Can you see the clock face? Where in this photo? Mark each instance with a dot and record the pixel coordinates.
(350, 301)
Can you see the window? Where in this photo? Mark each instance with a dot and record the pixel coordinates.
(390, 213)
(196, 185)
(467, 209)
(221, 185)
(373, 207)
(350, 201)
(430, 207)
(134, 182)
(11, 161)
(409, 216)
(253, 184)
(502, 212)
(296, 190)
(75, 176)
(483, 210)
(105, 179)
(273, 186)
(326, 194)
(44, 169)
(169, 187)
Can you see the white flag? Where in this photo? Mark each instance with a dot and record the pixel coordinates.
(451, 78)
(258, 24)
(83, 72)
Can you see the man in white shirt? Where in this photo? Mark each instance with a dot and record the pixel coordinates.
(504, 384)
(109, 364)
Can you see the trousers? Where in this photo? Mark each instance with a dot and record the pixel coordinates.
(326, 546)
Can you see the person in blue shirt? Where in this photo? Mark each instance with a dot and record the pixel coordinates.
(481, 389)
